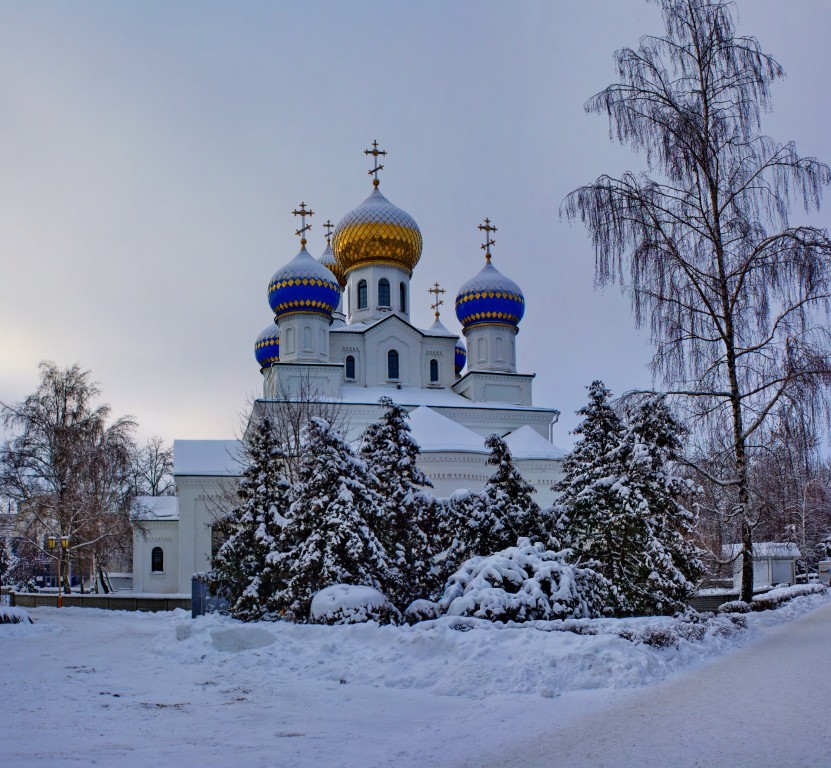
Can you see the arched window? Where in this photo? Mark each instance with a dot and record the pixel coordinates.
(157, 560)
(307, 338)
(402, 297)
(383, 292)
(350, 367)
(434, 371)
(362, 294)
(483, 355)
(392, 364)
(290, 340)
(499, 346)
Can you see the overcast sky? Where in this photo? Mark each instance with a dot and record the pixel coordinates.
(151, 153)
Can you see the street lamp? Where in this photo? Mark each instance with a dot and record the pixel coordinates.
(51, 543)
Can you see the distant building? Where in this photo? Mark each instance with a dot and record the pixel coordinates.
(342, 332)
(773, 563)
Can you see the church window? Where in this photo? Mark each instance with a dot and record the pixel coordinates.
(402, 294)
(392, 364)
(499, 353)
(383, 292)
(434, 371)
(307, 338)
(290, 340)
(350, 367)
(323, 339)
(157, 560)
(483, 355)
(362, 294)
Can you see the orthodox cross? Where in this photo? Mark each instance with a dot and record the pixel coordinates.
(328, 226)
(375, 152)
(304, 227)
(438, 302)
(486, 246)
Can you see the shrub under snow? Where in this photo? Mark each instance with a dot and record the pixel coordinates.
(350, 604)
(10, 615)
(524, 583)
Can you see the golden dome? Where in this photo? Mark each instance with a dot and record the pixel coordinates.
(377, 232)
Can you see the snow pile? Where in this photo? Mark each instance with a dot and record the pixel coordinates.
(524, 583)
(9, 615)
(349, 604)
(772, 599)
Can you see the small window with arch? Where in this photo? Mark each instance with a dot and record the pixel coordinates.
(157, 560)
(392, 364)
(434, 371)
(383, 292)
(362, 297)
(350, 367)
(402, 296)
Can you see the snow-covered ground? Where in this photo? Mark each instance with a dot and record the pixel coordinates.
(88, 687)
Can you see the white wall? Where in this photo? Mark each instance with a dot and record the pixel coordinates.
(157, 533)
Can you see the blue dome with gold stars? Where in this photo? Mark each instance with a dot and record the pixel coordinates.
(460, 357)
(267, 346)
(303, 286)
(490, 298)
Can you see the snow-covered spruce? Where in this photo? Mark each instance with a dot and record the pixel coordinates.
(526, 582)
(621, 507)
(391, 455)
(331, 533)
(242, 569)
(349, 604)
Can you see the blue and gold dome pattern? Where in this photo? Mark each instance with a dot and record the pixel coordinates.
(303, 286)
(267, 347)
(490, 298)
(377, 233)
(460, 357)
(327, 258)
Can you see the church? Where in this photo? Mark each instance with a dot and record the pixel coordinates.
(341, 333)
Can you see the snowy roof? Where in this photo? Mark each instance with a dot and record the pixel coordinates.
(438, 329)
(156, 508)
(220, 458)
(527, 443)
(776, 549)
(434, 432)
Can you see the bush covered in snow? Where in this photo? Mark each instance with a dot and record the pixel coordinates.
(772, 599)
(349, 604)
(690, 627)
(10, 615)
(524, 583)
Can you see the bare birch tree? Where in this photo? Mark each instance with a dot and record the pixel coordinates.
(732, 293)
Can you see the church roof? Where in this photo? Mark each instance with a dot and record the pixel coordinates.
(152, 508)
(207, 458)
(434, 433)
(527, 443)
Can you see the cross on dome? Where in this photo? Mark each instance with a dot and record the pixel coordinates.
(304, 227)
(328, 226)
(436, 290)
(486, 246)
(375, 152)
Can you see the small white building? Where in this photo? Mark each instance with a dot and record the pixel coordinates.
(156, 545)
(774, 563)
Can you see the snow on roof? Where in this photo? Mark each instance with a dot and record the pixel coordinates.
(156, 508)
(527, 443)
(438, 329)
(783, 549)
(415, 396)
(434, 432)
(207, 457)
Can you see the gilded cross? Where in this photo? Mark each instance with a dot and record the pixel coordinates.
(375, 152)
(328, 226)
(304, 227)
(486, 246)
(438, 302)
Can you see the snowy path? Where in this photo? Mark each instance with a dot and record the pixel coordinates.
(85, 688)
(768, 704)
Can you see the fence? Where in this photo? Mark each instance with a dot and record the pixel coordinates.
(108, 602)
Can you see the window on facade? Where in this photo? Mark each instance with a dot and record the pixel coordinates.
(434, 371)
(392, 364)
(307, 338)
(362, 294)
(402, 297)
(289, 340)
(483, 355)
(499, 346)
(157, 560)
(350, 367)
(383, 292)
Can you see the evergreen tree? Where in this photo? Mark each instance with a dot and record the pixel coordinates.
(504, 510)
(242, 571)
(391, 454)
(331, 534)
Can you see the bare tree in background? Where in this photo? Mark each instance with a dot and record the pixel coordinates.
(733, 295)
(151, 469)
(67, 469)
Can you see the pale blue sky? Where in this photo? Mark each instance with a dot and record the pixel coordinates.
(151, 153)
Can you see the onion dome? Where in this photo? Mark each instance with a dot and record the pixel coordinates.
(327, 259)
(490, 298)
(376, 232)
(267, 346)
(303, 286)
(460, 358)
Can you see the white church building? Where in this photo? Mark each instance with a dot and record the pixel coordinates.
(342, 331)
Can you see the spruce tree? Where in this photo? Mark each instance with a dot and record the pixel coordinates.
(331, 533)
(242, 570)
(391, 454)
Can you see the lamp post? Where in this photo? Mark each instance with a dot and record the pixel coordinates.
(51, 543)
